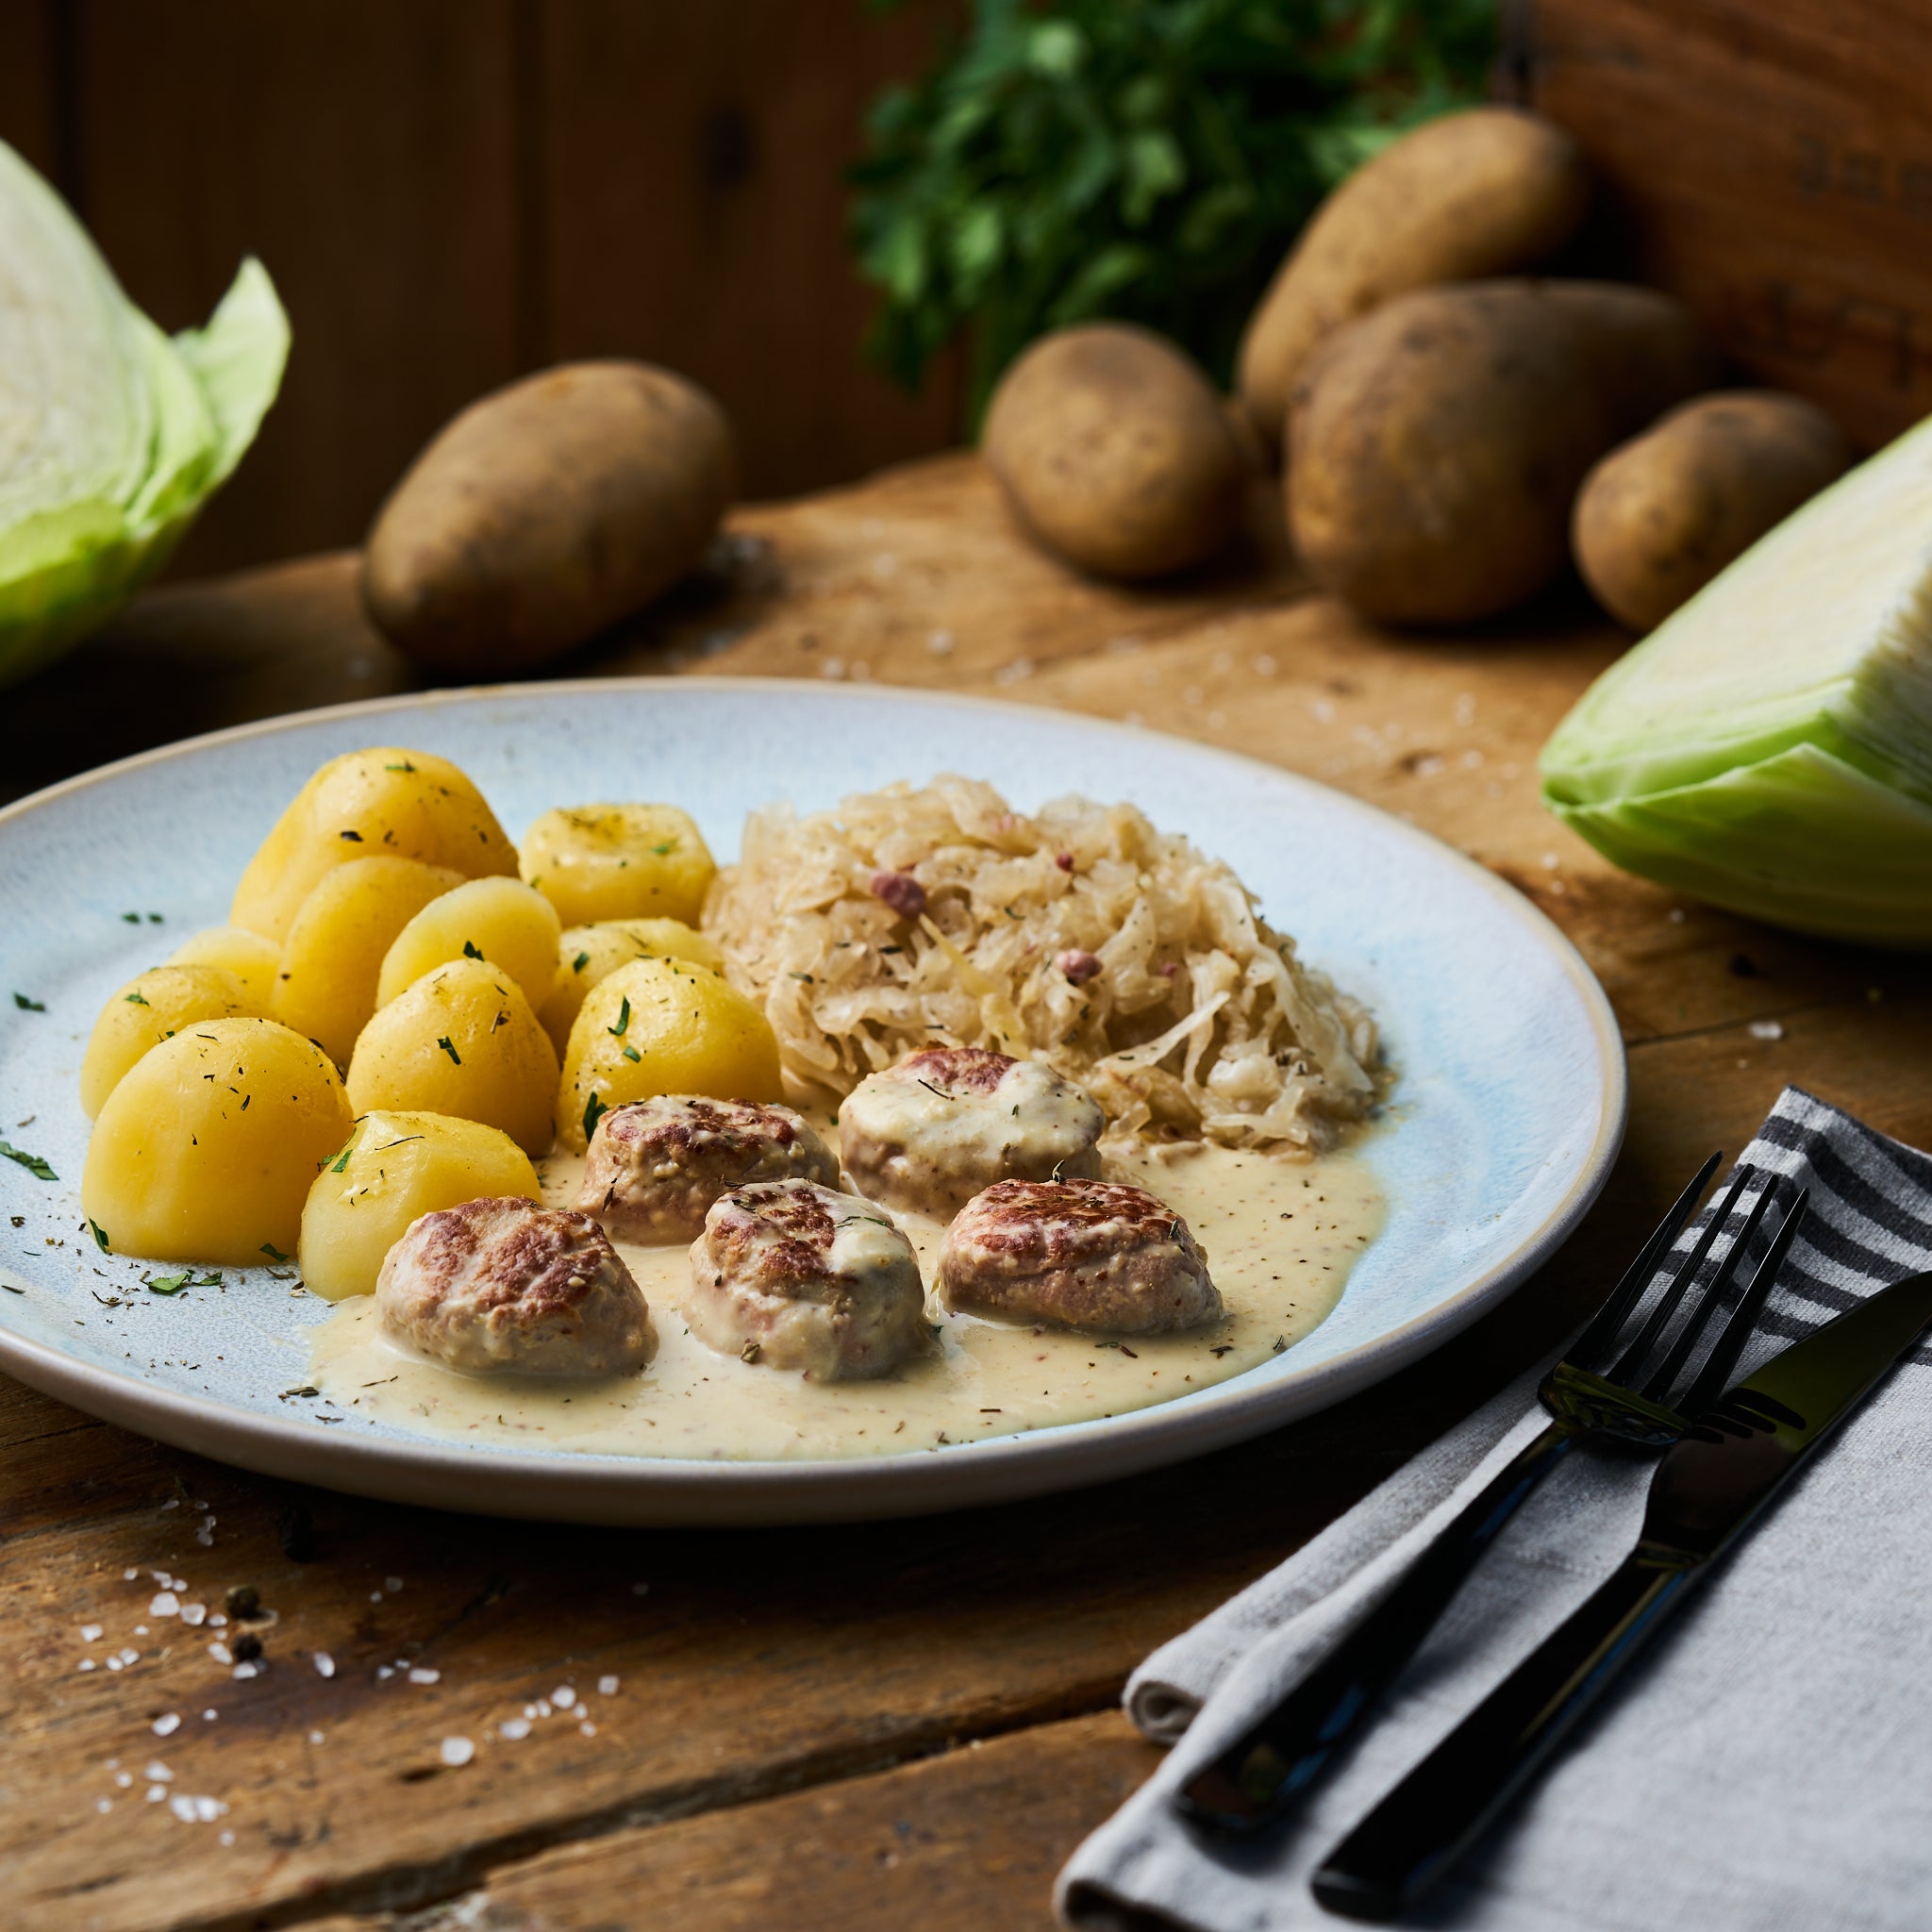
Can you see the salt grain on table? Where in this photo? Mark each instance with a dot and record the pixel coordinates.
(587, 1728)
(514, 1728)
(324, 1664)
(193, 1614)
(607, 1687)
(564, 1697)
(458, 1751)
(421, 1674)
(1766, 1029)
(90, 1633)
(166, 1726)
(219, 1652)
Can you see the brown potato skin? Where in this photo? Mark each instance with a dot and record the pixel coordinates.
(1113, 452)
(1436, 446)
(1490, 192)
(1660, 516)
(545, 512)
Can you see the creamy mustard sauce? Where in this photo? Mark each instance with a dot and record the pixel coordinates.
(1280, 1238)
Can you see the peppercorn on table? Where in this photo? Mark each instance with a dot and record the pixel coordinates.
(233, 1704)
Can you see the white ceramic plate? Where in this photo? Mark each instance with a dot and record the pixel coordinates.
(1508, 1111)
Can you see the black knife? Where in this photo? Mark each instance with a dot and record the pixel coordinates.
(1708, 1490)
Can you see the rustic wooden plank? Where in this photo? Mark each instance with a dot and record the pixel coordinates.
(1772, 164)
(695, 212)
(969, 1838)
(30, 77)
(365, 151)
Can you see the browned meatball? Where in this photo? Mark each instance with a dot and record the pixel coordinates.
(797, 1276)
(657, 1165)
(926, 1136)
(1084, 1254)
(506, 1284)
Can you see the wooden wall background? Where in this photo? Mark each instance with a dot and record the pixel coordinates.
(451, 192)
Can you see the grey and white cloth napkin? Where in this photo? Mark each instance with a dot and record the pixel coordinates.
(1768, 1765)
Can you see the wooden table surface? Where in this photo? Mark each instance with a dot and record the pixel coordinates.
(888, 1725)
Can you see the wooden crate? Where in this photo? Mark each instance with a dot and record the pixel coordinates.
(1771, 162)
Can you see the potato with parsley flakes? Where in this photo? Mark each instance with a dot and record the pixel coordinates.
(397, 1168)
(462, 1041)
(588, 953)
(253, 960)
(207, 1149)
(663, 1027)
(502, 921)
(332, 957)
(363, 805)
(152, 1007)
(596, 862)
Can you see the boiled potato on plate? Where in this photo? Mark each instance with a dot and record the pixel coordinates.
(207, 1147)
(502, 921)
(397, 1168)
(663, 1027)
(252, 959)
(462, 1041)
(588, 953)
(367, 804)
(595, 862)
(151, 1008)
(332, 958)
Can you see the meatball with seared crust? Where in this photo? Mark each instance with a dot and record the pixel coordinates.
(1083, 1253)
(928, 1135)
(656, 1166)
(506, 1284)
(799, 1276)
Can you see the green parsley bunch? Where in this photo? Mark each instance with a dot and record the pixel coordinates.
(1146, 159)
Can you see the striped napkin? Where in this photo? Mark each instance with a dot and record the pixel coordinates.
(1767, 1766)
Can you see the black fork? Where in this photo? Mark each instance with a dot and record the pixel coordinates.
(1594, 1394)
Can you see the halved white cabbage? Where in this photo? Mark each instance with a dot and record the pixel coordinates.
(111, 435)
(1769, 746)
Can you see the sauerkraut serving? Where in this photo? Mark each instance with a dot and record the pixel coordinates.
(1125, 957)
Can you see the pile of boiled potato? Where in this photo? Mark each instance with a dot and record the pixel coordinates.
(404, 1010)
(1453, 432)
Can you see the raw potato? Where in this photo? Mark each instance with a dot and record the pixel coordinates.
(663, 1026)
(152, 1007)
(253, 960)
(588, 953)
(1658, 518)
(1437, 446)
(332, 958)
(207, 1150)
(404, 804)
(464, 1042)
(547, 512)
(1490, 192)
(396, 1169)
(1113, 452)
(597, 862)
(505, 920)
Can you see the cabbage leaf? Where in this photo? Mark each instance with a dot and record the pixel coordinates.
(1769, 746)
(112, 434)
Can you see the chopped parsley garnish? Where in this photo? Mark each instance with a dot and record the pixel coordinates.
(577, 965)
(471, 950)
(131, 918)
(405, 766)
(274, 1253)
(623, 1019)
(594, 1110)
(630, 1053)
(665, 850)
(32, 1163)
(100, 1234)
(134, 998)
(455, 1058)
(27, 1005)
(341, 1163)
(167, 1284)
